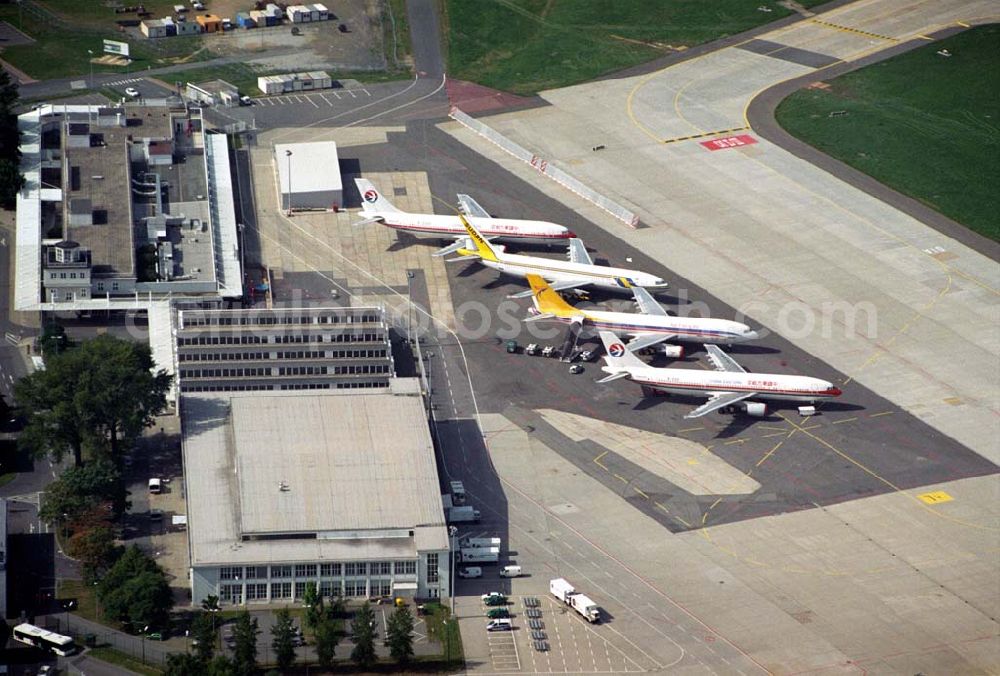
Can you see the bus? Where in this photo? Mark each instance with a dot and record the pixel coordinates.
(49, 641)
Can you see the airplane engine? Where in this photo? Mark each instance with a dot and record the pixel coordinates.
(673, 351)
(755, 409)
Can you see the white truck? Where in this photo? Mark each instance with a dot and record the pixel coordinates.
(479, 555)
(566, 593)
(463, 515)
(468, 543)
(458, 492)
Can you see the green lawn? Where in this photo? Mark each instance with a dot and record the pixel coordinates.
(525, 46)
(924, 124)
(112, 656)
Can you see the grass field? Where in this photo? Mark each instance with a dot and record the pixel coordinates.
(525, 46)
(112, 656)
(924, 124)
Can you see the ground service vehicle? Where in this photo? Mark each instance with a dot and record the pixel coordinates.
(510, 571)
(470, 572)
(458, 492)
(155, 486)
(463, 515)
(470, 543)
(479, 555)
(566, 593)
(532, 349)
(548, 351)
(511, 347)
(47, 641)
(499, 625)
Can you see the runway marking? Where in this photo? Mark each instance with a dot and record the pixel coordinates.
(690, 429)
(621, 478)
(879, 415)
(845, 420)
(963, 24)
(735, 441)
(935, 497)
(926, 37)
(598, 462)
(640, 492)
(848, 29)
(678, 139)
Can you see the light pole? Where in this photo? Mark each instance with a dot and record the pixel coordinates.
(288, 154)
(91, 52)
(144, 630)
(409, 305)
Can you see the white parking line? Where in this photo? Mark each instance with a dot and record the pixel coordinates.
(353, 95)
(298, 99)
(327, 100)
(336, 94)
(315, 105)
(367, 93)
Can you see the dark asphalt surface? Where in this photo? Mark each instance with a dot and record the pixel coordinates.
(860, 445)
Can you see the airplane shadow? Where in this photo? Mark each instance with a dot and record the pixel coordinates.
(751, 348)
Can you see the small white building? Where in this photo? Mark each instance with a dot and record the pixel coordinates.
(299, 14)
(309, 175)
(213, 92)
(294, 82)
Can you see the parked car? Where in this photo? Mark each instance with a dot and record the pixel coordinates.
(494, 599)
(502, 624)
(497, 613)
(156, 515)
(247, 101)
(576, 368)
(470, 572)
(132, 92)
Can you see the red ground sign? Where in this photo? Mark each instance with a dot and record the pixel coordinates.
(729, 142)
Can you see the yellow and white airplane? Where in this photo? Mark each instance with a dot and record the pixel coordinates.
(579, 271)
(651, 326)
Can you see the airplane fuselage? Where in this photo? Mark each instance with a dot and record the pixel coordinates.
(441, 225)
(692, 329)
(559, 271)
(764, 385)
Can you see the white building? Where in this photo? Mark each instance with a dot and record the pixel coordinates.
(336, 488)
(309, 175)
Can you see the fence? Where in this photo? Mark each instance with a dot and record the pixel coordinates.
(545, 167)
(145, 650)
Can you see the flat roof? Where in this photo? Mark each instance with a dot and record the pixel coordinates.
(314, 166)
(356, 468)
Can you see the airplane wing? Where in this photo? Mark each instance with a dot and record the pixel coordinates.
(644, 340)
(717, 401)
(578, 252)
(459, 243)
(471, 207)
(722, 361)
(555, 286)
(647, 304)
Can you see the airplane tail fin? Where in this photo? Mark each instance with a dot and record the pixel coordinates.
(547, 300)
(371, 199)
(484, 249)
(616, 354)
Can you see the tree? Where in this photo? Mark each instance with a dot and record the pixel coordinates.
(203, 632)
(80, 489)
(399, 635)
(245, 652)
(283, 639)
(183, 664)
(95, 548)
(53, 340)
(102, 390)
(220, 666)
(211, 604)
(327, 637)
(135, 591)
(313, 602)
(363, 628)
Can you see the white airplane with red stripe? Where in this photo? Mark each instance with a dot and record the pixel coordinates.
(728, 386)
(377, 208)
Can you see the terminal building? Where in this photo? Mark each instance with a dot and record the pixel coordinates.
(315, 348)
(335, 488)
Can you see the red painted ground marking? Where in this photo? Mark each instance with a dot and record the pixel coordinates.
(729, 142)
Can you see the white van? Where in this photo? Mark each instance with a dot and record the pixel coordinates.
(511, 571)
(470, 572)
(502, 624)
(155, 486)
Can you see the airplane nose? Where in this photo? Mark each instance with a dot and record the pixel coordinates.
(570, 234)
(834, 392)
(750, 335)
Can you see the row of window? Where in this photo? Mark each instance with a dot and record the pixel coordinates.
(265, 371)
(299, 570)
(72, 275)
(254, 339)
(261, 356)
(432, 568)
(257, 387)
(258, 591)
(270, 320)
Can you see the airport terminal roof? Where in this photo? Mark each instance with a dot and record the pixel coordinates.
(320, 475)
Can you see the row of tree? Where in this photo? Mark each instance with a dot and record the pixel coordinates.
(321, 618)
